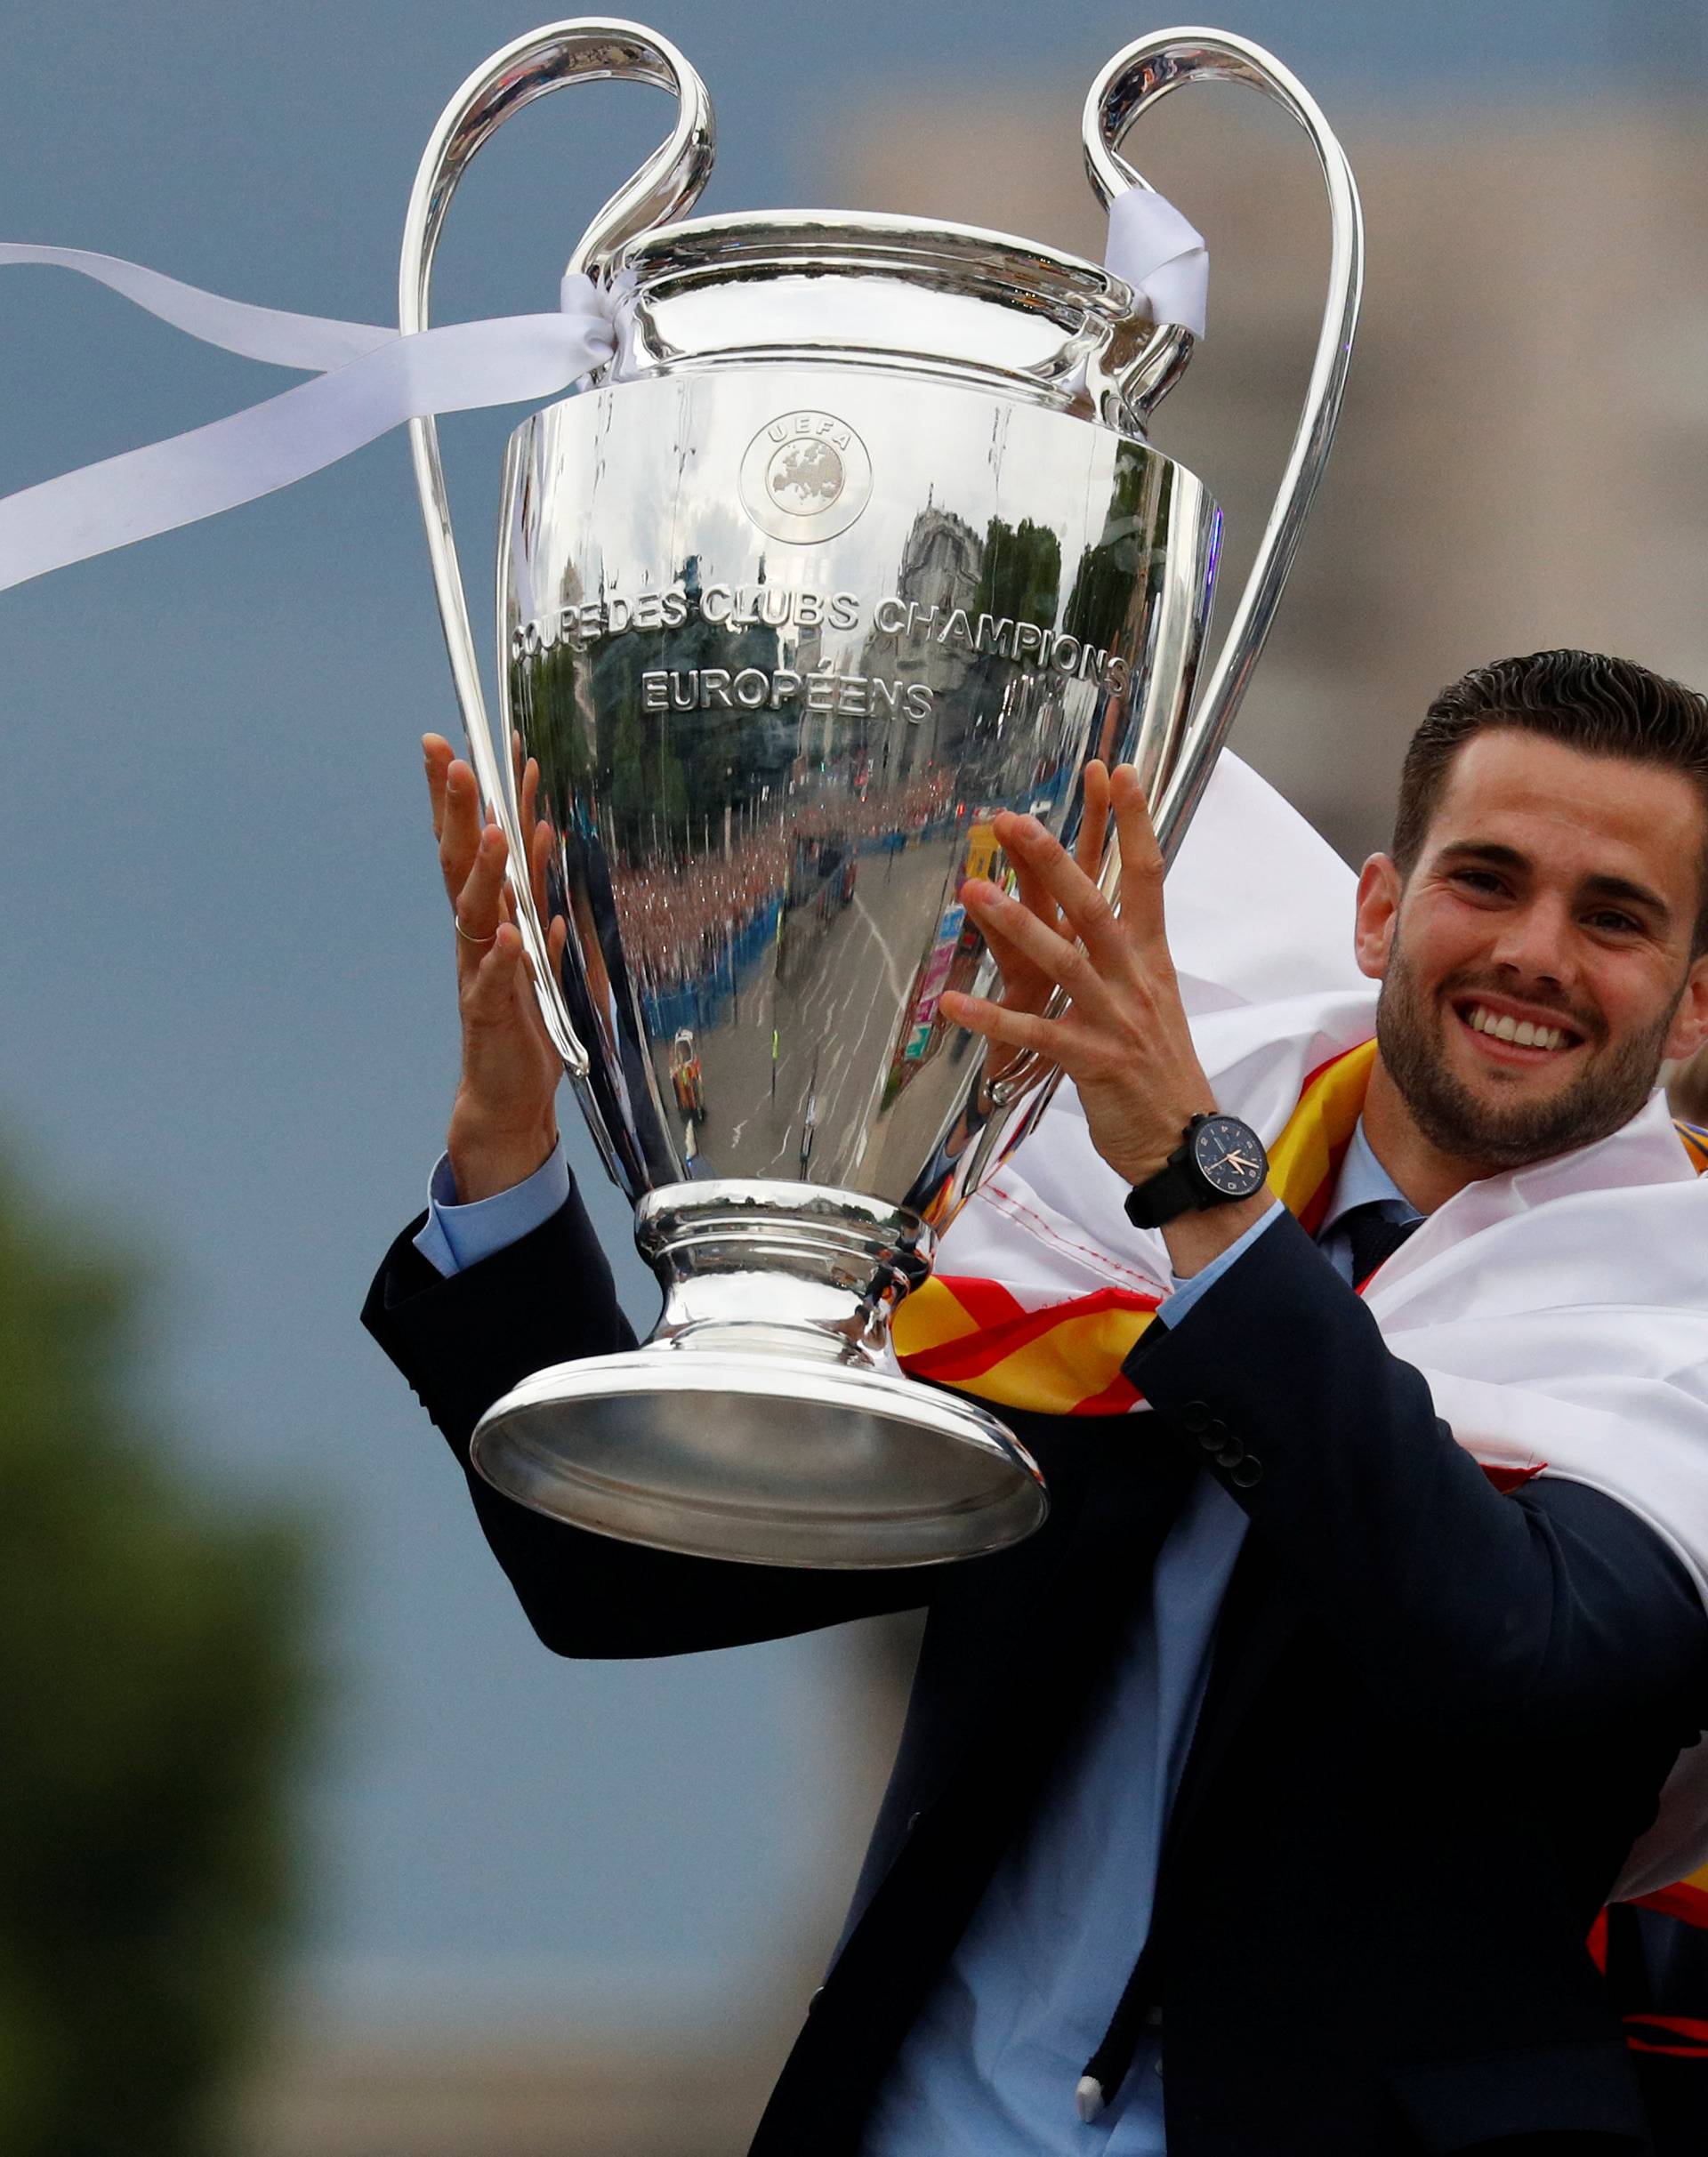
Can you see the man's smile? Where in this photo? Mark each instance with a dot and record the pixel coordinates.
(1513, 1035)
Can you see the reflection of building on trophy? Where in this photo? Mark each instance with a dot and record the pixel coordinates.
(974, 616)
(746, 749)
(652, 768)
(820, 738)
(552, 701)
(939, 572)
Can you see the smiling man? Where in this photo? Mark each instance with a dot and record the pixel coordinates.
(1550, 883)
(1263, 1802)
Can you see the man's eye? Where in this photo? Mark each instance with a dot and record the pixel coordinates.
(1621, 924)
(1478, 879)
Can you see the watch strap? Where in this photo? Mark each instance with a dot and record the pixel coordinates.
(1161, 1198)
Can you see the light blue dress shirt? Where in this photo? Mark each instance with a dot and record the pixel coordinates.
(991, 2065)
(455, 1237)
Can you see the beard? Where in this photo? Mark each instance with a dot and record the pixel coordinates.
(1615, 1080)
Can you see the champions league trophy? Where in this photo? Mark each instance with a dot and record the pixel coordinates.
(858, 540)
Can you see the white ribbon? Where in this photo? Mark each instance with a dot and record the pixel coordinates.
(1165, 260)
(368, 381)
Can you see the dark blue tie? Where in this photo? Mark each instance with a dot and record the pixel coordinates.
(1374, 1235)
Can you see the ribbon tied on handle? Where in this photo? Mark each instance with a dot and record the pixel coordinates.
(1164, 258)
(367, 380)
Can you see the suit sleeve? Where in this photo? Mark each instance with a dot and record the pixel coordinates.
(1555, 1604)
(548, 1299)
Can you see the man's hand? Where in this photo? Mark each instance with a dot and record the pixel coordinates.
(1026, 984)
(504, 1122)
(1124, 1039)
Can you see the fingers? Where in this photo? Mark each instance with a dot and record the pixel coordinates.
(540, 836)
(437, 754)
(503, 1035)
(1087, 848)
(496, 978)
(1141, 860)
(539, 854)
(1088, 913)
(1024, 987)
(1070, 966)
(460, 827)
(999, 1022)
(1094, 820)
(557, 940)
(1034, 892)
(479, 902)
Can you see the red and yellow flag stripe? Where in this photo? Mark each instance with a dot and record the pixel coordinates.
(962, 1331)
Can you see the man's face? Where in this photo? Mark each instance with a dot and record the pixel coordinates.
(1556, 894)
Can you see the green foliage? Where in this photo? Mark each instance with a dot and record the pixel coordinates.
(1020, 573)
(1115, 579)
(150, 1693)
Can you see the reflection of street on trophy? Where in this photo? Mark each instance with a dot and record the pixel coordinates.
(689, 926)
(777, 949)
(767, 790)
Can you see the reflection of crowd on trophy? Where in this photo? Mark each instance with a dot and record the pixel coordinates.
(680, 918)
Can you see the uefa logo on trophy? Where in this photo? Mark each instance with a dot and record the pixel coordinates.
(806, 477)
(858, 540)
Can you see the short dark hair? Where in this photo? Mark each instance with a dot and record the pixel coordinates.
(1586, 700)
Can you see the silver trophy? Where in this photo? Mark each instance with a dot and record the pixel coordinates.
(860, 540)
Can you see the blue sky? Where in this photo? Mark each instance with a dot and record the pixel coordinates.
(227, 1027)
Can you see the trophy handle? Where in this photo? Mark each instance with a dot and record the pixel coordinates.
(587, 49)
(1132, 82)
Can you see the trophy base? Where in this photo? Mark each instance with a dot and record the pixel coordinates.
(790, 1439)
(769, 1461)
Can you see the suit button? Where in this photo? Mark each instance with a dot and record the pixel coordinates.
(1246, 1472)
(818, 1994)
(1214, 1437)
(1195, 1416)
(914, 1820)
(1231, 1455)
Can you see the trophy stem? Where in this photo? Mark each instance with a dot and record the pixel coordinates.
(781, 1267)
(767, 1419)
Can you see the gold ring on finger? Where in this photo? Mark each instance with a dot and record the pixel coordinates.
(467, 939)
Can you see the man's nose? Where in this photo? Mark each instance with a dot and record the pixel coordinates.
(1536, 942)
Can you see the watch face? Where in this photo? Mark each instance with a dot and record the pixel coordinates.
(1229, 1156)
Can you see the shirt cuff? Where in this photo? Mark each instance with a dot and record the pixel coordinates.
(1174, 1305)
(455, 1237)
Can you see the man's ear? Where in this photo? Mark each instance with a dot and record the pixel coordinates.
(1689, 1028)
(1372, 935)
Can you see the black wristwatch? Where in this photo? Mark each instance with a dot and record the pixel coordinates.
(1221, 1162)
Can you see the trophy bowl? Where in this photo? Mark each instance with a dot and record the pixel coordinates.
(859, 542)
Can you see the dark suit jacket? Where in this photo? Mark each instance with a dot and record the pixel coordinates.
(1438, 1717)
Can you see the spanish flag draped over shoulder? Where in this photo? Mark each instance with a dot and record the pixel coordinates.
(1560, 1312)
(1026, 1349)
